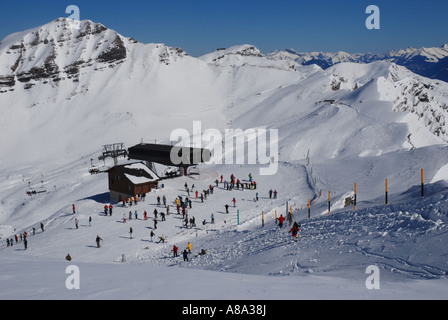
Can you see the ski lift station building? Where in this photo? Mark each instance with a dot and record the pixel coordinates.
(129, 180)
(163, 154)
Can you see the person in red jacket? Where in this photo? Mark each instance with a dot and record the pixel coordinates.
(295, 230)
(175, 250)
(281, 220)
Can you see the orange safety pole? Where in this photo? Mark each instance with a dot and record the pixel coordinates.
(386, 193)
(262, 218)
(423, 180)
(329, 200)
(355, 196)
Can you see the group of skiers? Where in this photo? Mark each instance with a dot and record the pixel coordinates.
(295, 227)
(22, 237)
(236, 183)
(186, 251)
(181, 205)
(133, 200)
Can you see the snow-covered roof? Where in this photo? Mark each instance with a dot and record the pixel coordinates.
(138, 173)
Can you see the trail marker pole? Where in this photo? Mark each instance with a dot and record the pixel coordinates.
(275, 216)
(423, 180)
(262, 218)
(387, 200)
(309, 208)
(329, 200)
(238, 216)
(355, 195)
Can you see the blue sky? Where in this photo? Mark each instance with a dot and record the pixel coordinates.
(201, 26)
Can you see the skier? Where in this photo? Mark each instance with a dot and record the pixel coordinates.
(98, 239)
(152, 234)
(227, 208)
(270, 194)
(106, 208)
(155, 223)
(42, 227)
(164, 200)
(189, 247)
(185, 255)
(212, 218)
(110, 210)
(234, 202)
(158, 200)
(289, 218)
(76, 223)
(25, 243)
(162, 238)
(145, 215)
(295, 230)
(130, 232)
(74, 210)
(281, 220)
(175, 251)
(275, 194)
(256, 196)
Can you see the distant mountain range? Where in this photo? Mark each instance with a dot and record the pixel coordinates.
(74, 86)
(428, 62)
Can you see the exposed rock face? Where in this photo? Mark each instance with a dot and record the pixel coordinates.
(57, 51)
(116, 52)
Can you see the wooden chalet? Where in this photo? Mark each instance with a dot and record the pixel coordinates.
(129, 180)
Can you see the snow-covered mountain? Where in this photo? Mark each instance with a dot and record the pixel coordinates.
(428, 62)
(65, 92)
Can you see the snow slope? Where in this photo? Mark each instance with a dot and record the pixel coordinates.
(350, 123)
